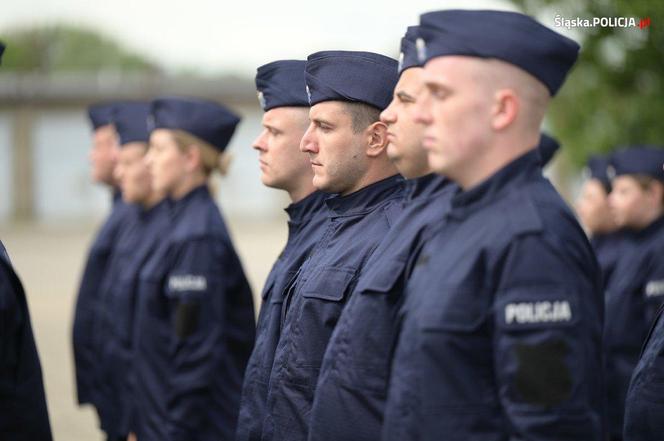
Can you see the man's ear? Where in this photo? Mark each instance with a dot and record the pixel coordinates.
(193, 157)
(505, 109)
(376, 139)
(656, 190)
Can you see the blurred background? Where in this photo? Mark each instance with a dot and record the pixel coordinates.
(63, 55)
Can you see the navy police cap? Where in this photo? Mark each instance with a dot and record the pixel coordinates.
(548, 146)
(281, 84)
(638, 160)
(101, 114)
(362, 77)
(508, 36)
(596, 168)
(408, 57)
(207, 120)
(131, 121)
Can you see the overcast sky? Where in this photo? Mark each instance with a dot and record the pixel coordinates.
(216, 36)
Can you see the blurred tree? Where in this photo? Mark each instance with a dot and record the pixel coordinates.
(615, 94)
(67, 48)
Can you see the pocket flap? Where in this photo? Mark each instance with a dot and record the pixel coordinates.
(381, 278)
(281, 285)
(328, 284)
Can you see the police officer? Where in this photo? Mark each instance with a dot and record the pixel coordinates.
(103, 157)
(350, 395)
(24, 416)
(346, 145)
(644, 409)
(145, 221)
(282, 96)
(501, 323)
(636, 289)
(595, 216)
(194, 324)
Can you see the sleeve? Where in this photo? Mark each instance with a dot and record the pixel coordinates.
(195, 292)
(547, 343)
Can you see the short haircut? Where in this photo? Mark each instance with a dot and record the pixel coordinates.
(211, 158)
(362, 115)
(647, 182)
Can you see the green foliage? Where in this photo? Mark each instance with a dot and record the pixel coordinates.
(615, 94)
(67, 48)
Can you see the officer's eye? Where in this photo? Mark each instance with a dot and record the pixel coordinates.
(405, 98)
(324, 127)
(438, 92)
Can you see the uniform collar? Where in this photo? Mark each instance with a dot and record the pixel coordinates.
(365, 198)
(425, 185)
(116, 196)
(153, 211)
(613, 236)
(304, 209)
(513, 175)
(654, 229)
(198, 192)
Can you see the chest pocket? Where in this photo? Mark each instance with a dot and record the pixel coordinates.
(454, 308)
(269, 320)
(269, 287)
(323, 298)
(453, 325)
(281, 285)
(382, 279)
(370, 313)
(277, 282)
(328, 284)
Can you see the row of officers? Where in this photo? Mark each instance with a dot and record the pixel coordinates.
(434, 285)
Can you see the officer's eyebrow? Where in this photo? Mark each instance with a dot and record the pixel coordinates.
(321, 121)
(271, 126)
(435, 82)
(405, 96)
(437, 85)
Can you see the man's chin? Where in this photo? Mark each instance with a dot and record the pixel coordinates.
(392, 150)
(621, 223)
(394, 158)
(439, 167)
(321, 184)
(265, 180)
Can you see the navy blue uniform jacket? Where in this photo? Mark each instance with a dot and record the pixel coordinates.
(357, 224)
(352, 387)
(194, 329)
(86, 348)
(306, 221)
(23, 412)
(633, 298)
(502, 321)
(136, 242)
